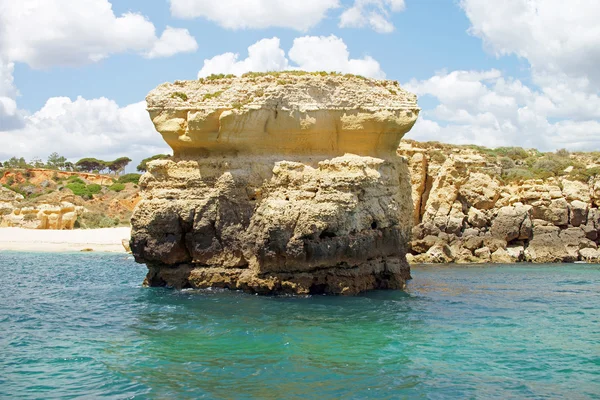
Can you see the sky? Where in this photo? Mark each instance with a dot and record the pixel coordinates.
(74, 74)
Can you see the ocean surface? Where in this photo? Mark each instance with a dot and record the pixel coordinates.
(81, 326)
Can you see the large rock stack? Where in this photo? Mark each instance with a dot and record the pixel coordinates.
(280, 183)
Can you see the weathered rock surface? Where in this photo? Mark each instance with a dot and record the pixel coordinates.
(462, 202)
(290, 187)
(42, 216)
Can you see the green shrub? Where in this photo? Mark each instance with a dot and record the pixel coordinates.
(522, 174)
(130, 178)
(517, 174)
(179, 95)
(438, 157)
(94, 188)
(95, 220)
(78, 189)
(29, 217)
(214, 77)
(212, 95)
(514, 153)
(506, 162)
(117, 187)
(75, 179)
(552, 163)
(584, 174)
(563, 153)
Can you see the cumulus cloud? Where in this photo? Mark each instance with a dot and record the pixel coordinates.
(83, 128)
(45, 33)
(372, 13)
(309, 53)
(486, 108)
(10, 115)
(242, 14)
(560, 39)
(171, 42)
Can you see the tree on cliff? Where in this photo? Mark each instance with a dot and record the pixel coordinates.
(90, 164)
(56, 161)
(118, 165)
(15, 162)
(143, 166)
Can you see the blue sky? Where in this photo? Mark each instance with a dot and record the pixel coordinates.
(519, 72)
(430, 35)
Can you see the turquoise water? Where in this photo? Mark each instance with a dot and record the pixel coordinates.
(80, 326)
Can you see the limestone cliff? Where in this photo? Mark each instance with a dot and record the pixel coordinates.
(286, 183)
(475, 204)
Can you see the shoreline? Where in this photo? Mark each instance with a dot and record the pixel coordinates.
(105, 240)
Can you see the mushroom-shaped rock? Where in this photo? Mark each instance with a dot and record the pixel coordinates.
(280, 183)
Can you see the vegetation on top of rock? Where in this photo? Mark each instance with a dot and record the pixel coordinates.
(83, 190)
(180, 95)
(117, 187)
(143, 165)
(519, 164)
(130, 178)
(299, 73)
(213, 95)
(93, 164)
(91, 220)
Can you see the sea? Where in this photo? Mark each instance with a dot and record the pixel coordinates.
(81, 326)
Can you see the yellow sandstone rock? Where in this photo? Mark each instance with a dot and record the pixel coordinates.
(279, 184)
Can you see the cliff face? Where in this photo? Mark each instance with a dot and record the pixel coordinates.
(508, 205)
(279, 184)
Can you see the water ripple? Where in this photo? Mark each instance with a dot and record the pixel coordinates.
(80, 326)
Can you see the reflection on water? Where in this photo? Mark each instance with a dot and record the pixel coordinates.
(82, 326)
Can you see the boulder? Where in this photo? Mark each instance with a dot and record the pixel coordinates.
(556, 211)
(422, 245)
(590, 255)
(440, 254)
(512, 223)
(547, 246)
(476, 218)
(579, 213)
(484, 254)
(480, 191)
(503, 256)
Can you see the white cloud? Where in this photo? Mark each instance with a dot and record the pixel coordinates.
(243, 14)
(560, 39)
(84, 128)
(173, 41)
(488, 109)
(45, 33)
(264, 55)
(10, 116)
(309, 53)
(372, 13)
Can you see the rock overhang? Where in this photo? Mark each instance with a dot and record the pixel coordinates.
(285, 113)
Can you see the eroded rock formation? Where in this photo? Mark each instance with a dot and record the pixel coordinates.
(279, 184)
(467, 209)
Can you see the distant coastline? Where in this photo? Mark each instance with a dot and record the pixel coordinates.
(106, 240)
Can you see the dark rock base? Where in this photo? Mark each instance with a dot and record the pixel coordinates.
(389, 273)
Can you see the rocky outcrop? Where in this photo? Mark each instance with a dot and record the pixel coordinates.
(278, 184)
(471, 210)
(42, 216)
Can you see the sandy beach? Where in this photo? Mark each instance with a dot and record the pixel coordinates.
(100, 240)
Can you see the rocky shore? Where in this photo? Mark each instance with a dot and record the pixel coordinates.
(280, 183)
(477, 205)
